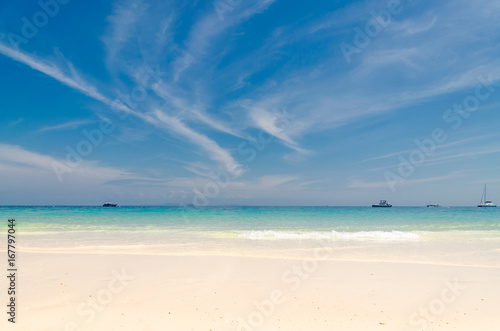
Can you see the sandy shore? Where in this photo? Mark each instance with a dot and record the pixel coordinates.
(60, 291)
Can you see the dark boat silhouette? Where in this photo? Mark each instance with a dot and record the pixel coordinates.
(110, 204)
(383, 203)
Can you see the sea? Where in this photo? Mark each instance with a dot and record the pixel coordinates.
(445, 235)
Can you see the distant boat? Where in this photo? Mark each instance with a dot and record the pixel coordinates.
(382, 203)
(436, 205)
(109, 204)
(487, 203)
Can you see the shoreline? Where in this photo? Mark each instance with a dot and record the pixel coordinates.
(458, 249)
(98, 251)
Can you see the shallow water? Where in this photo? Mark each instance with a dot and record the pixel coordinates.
(454, 235)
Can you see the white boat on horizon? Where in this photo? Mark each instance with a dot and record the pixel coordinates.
(487, 203)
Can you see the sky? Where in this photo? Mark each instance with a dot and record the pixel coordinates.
(235, 102)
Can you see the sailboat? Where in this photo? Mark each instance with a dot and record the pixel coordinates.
(484, 202)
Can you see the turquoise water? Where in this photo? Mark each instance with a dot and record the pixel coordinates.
(457, 235)
(303, 219)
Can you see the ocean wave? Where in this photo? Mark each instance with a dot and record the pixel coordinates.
(333, 235)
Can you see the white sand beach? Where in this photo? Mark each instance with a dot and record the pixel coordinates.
(88, 291)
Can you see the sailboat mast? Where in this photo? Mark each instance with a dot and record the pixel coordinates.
(485, 193)
(483, 197)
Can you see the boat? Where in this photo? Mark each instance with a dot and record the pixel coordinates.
(109, 204)
(436, 205)
(484, 201)
(383, 203)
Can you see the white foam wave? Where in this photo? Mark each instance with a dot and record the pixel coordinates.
(333, 235)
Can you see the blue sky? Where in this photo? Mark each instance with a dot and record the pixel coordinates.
(264, 102)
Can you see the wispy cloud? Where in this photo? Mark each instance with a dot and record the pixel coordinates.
(69, 78)
(215, 151)
(411, 27)
(270, 123)
(16, 122)
(16, 160)
(386, 156)
(441, 153)
(208, 28)
(68, 125)
(360, 184)
(183, 107)
(408, 70)
(121, 27)
(475, 153)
